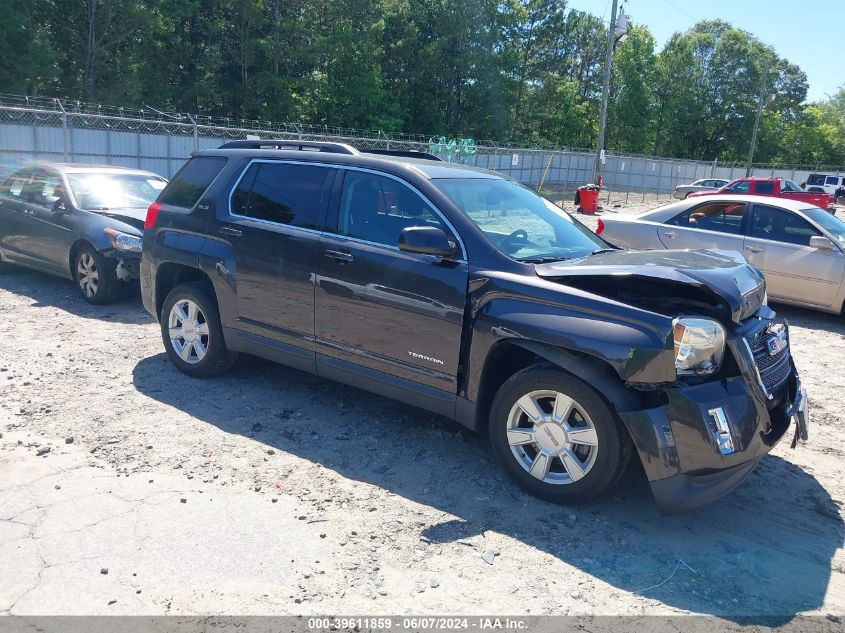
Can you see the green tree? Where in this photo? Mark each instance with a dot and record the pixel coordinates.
(632, 102)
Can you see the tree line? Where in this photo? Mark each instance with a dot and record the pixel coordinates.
(517, 71)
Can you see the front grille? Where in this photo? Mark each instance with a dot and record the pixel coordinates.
(774, 368)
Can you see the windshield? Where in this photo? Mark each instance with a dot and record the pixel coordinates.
(829, 222)
(518, 222)
(103, 191)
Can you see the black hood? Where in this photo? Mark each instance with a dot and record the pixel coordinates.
(724, 275)
(132, 216)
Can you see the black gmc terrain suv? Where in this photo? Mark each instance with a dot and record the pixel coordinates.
(462, 292)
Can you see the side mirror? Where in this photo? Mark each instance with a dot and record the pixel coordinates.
(426, 240)
(821, 243)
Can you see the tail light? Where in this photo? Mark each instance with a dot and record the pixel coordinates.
(152, 215)
(600, 227)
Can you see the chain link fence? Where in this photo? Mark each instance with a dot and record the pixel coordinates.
(51, 130)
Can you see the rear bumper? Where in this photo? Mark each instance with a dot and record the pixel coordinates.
(708, 438)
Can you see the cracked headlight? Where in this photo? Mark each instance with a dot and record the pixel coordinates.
(699, 346)
(124, 241)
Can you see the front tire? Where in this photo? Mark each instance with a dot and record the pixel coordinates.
(96, 276)
(192, 333)
(555, 436)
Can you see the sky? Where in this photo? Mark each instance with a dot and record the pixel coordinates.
(806, 32)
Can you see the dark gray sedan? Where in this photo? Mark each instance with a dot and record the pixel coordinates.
(82, 222)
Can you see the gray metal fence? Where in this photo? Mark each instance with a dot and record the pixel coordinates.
(38, 129)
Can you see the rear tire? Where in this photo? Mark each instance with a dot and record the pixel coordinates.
(96, 276)
(555, 436)
(192, 333)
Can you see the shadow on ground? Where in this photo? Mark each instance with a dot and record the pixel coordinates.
(762, 554)
(47, 291)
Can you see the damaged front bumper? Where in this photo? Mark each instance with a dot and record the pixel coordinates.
(707, 438)
(128, 265)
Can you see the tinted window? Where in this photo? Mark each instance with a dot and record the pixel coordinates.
(282, 193)
(191, 181)
(44, 189)
(815, 179)
(769, 223)
(377, 208)
(15, 183)
(832, 180)
(740, 186)
(764, 186)
(725, 217)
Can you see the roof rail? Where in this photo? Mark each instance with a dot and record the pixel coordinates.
(407, 153)
(306, 146)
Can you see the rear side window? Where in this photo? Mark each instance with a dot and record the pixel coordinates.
(191, 181)
(15, 184)
(724, 217)
(764, 186)
(832, 180)
(282, 193)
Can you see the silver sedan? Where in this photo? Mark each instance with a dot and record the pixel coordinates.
(705, 184)
(800, 248)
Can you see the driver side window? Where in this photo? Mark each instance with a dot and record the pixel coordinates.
(376, 209)
(769, 223)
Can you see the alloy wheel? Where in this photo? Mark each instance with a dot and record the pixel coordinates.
(552, 437)
(188, 331)
(87, 275)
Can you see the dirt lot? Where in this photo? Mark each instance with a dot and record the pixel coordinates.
(270, 491)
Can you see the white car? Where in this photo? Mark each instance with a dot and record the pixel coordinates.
(827, 182)
(799, 248)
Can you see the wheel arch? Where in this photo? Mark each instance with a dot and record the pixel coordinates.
(74, 250)
(508, 356)
(172, 274)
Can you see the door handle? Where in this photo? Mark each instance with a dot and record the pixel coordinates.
(754, 249)
(671, 234)
(231, 230)
(339, 256)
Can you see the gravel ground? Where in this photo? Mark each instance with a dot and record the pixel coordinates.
(271, 491)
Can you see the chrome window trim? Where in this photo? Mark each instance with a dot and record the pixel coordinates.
(261, 220)
(462, 260)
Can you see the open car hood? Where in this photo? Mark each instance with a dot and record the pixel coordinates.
(723, 275)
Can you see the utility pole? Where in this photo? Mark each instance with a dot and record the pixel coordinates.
(760, 102)
(611, 35)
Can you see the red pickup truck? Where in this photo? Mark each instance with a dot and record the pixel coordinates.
(773, 187)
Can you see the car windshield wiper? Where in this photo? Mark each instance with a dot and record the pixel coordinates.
(545, 259)
(604, 250)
